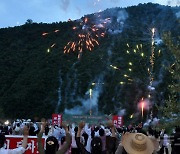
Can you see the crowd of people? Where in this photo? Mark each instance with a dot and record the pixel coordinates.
(83, 138)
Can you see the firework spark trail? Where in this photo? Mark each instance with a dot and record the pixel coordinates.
(45, 34)
(86, 37)
(142, 108)
(152, 57)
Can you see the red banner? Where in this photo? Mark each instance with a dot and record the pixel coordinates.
(118, 120)
(57, 119)
(15, 141)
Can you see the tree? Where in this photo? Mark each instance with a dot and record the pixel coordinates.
(29, 21)
(172, 105)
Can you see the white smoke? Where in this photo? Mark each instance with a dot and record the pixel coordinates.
(109, 52)
(151, 88)
(87, 104)
(64, 4)
(78, 10)
(122, 15)
(115, 1)
(122, 112)
(59, 93)
(161, 73)
(117, 31)
(158, 41)
(174, 2)
(178, 14)
(153, 122)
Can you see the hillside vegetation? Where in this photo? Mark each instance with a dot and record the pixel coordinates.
(37, 79)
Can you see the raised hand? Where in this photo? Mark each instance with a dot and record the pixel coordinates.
(26, 131)
(81, 125)
(110, 124)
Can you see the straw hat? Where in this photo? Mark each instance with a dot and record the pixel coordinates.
(137, 143)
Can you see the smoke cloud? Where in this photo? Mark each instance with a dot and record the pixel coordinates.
(162, 71)
(64, 4)
(122, 15)
(87, 104)
(122, 112)
(174, 2)
(115, 1)
(78, 10)
(153, 122)
(178, 14)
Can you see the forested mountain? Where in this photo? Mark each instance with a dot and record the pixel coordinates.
(128, 61)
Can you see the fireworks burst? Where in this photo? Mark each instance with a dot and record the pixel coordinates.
(136, 52)
(86, 37)
(136, 64)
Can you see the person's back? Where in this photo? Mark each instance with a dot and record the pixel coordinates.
(96, 145)
(56, 132)
(52, 144)
(31, 130)
(103, 139)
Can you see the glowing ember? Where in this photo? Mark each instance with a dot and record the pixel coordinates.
(53, 45)
(142, 109)
(86, 37)
(44, 34)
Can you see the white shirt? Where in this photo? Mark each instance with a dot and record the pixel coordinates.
(19, 150)
(165, 140)
(56, 133)
(88, 131)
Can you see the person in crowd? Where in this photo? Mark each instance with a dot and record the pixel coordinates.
(111, 139)
(18, 150)
(97, 144)
(1, 128)
(46, 129)
(5, 130)
(165, 142)
(74, 148)
(56, 132)
(91, 134)
(17, 129)
(32, 130)
(36, 128)
(176, 141)
(102, 136)
(62, 143)
(94, 143)
(154, 136)
(52, 144)
(135, 143)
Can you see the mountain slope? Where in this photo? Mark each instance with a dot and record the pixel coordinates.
(37, 78)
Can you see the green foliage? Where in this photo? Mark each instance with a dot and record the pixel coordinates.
(32, 72)
(171, 108)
